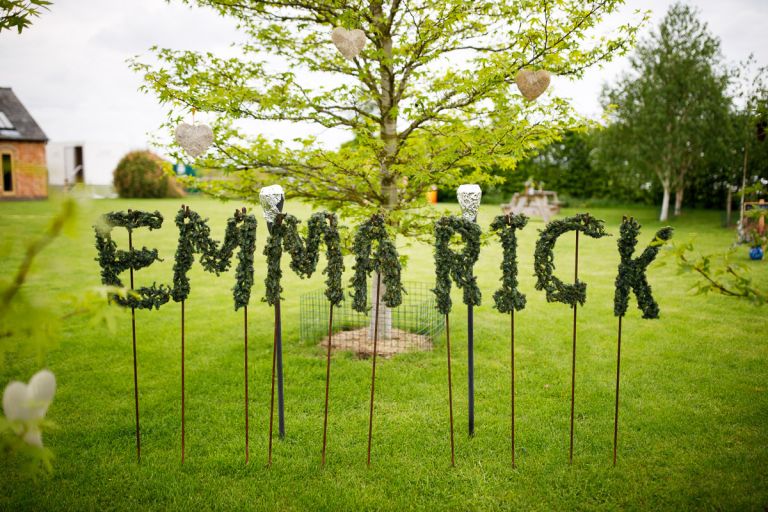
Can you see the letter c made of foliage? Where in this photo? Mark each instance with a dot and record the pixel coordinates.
(544, 258)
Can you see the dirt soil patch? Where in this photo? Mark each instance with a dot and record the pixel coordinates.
(357, 341)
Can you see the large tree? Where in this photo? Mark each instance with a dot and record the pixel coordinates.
(669, 110)
(429, 100)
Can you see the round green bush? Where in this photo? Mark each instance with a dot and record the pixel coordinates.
(141, 174)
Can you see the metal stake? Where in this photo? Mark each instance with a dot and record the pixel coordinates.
(280, 396)
(512, 374)
(616, 416)
(573, 357)
(135, 366)
(272, 399)
(471, 367)
(373, 374)
(327, 380)
(245, 354)
(183, 429)
(278, 342)
(450, 386)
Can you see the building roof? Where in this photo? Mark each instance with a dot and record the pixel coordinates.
(15, 121)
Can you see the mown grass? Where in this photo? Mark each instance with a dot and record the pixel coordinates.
(694, 412)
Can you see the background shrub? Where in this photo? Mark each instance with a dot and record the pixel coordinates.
(142, 174)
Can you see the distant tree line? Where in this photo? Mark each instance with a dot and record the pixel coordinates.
(683, 129)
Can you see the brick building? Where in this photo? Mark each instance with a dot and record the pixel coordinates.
(22, 151)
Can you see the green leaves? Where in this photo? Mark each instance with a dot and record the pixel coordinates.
(430, 100)
(18, 14)
(717, 273)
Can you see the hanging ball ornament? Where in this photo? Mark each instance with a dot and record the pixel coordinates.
(469, 199)
(195, 139)
(349, 42)
(272, 199)
(532, 84)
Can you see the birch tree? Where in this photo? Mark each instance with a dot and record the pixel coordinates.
(668, 112)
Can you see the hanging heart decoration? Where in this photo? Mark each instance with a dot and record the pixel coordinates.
(349, 42)
(195, 139)
(26, 403)
(532, 84)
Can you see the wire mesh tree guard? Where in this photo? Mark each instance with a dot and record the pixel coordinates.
(412, 326)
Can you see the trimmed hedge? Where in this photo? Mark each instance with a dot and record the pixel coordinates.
(141, 174)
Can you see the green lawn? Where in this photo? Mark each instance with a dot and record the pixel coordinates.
(694, 416)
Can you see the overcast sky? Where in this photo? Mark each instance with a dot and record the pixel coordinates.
(70, 69)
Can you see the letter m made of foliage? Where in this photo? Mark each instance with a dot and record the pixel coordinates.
(195, 237)
(304, 253)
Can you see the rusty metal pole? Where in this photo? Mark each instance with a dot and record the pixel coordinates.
(512, 377)
(450, 386)
(272, 399)
(245, 354)
(135, 366)
(373, 374)
(573, 356)
(327, 380)
(616, 415)
(183, 425)
(185, 209)
(280, 393)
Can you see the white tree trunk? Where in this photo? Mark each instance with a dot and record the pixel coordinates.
(389, 137)
(665, 204)
(384, 314)
(678, 201)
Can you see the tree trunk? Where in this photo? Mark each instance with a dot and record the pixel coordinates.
(679, 201)
(728, 206)
(742, 233)
(665, 204)
(388, 133)
(385, 314)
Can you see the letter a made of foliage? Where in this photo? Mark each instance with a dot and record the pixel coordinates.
(384, 260)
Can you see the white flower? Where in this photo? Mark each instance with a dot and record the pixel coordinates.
(26, 404)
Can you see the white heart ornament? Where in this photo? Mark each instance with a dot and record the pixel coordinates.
(195, 139)
(15, 398)
(26, 402)
(349, 42)
(532, 84)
